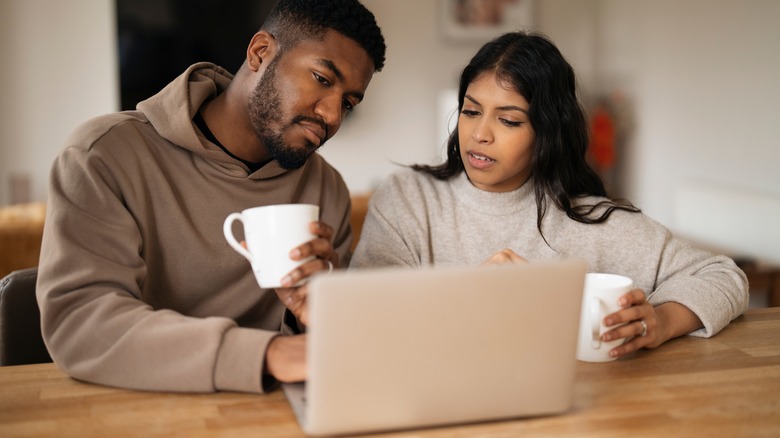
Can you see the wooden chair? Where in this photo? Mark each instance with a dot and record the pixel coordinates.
(20, 320)
(359, 211)
(21, 231)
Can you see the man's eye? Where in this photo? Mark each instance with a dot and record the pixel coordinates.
(321, 79)
(348, 105)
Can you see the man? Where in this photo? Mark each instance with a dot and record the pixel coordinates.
(137, 286)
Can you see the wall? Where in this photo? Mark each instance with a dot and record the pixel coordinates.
(400, 121)
(702, 79)
(59, 68)
(698, 78)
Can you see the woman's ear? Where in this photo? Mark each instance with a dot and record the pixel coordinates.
(262, 48)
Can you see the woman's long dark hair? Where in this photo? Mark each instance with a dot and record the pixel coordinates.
(536, 69)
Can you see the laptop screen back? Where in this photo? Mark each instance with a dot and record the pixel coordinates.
(402, 348)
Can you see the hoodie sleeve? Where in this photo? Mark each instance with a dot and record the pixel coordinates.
(95, 322)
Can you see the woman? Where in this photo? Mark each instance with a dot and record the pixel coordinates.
(516, 186)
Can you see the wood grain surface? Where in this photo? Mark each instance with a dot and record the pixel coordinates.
(726, 386)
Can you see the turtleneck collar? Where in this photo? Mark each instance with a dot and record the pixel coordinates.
(493, 203)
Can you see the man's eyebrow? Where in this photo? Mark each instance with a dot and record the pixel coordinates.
(327, 63)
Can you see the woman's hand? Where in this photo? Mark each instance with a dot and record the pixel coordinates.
(647, 326)
(504, 256)
(642, 327)
(325, 258)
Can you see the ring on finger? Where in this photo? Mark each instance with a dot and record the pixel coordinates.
(644, 327)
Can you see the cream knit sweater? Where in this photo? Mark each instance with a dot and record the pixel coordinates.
(415, 220)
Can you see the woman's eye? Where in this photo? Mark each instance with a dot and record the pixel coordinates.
(511, 123)
(469, 113)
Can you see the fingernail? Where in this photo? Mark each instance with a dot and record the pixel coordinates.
(607, 321)
(606, 337)
(613, 353)
(287, 281)
(295, 253)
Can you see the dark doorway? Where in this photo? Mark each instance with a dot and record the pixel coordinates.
(159, 39)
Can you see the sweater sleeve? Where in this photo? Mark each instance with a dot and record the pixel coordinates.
(95, 322)
(667, 268)
(711, 286)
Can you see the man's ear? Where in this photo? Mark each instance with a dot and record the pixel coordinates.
(262, 48)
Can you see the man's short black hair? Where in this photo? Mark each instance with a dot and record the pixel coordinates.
(292, 21)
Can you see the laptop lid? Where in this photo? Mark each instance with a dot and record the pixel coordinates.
(407, 348)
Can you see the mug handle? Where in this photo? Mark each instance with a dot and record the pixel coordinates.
(595, 321)
(227, 229)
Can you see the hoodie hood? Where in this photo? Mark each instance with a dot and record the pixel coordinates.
(171, 111)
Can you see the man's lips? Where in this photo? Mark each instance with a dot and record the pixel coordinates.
(315, 132)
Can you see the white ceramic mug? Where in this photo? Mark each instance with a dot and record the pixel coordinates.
(600, 298)
(271, 232)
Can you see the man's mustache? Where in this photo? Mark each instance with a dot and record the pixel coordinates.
(298, 119)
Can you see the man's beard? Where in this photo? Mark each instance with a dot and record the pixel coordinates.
(265, 112)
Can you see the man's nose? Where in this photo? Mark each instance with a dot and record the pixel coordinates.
(330, 112)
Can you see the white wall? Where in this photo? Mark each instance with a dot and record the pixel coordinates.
(399, 119)
(59, 68)
(699, 75)
(703, 78)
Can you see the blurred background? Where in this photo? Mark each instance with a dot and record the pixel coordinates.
(682, 95)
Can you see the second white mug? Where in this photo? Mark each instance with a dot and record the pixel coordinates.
(600, 298)
(271, 232)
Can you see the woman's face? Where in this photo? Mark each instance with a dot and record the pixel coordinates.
(496, 137)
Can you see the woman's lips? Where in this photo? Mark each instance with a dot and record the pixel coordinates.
(479, 161)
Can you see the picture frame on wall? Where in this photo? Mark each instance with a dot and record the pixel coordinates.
(482, 20)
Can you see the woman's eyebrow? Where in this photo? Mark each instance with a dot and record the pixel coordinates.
(513, 108)
(475, 101)
(501, 108)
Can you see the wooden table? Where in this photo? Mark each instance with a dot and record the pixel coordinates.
(726, 386)
(764, 278)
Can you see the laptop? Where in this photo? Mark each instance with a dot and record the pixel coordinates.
(402, 348)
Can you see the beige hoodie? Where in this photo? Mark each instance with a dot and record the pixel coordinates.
(137, 285)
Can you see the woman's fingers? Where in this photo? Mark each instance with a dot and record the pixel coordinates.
(636, 322)
(504, 256)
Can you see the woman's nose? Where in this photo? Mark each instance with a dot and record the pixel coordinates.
(482, 132)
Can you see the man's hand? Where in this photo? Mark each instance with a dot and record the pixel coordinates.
(325, 259)
(294, 298)
(285, 358)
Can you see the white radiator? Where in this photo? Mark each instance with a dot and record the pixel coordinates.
(741, 222)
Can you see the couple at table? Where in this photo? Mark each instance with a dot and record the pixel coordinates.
(138, 289)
